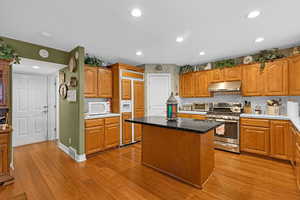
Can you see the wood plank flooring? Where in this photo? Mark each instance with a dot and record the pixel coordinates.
(44, 172)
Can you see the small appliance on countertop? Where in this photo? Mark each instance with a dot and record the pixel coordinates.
(186, 107)
(201, 107)
(293, 109)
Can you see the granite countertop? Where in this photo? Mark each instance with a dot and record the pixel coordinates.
(295, 120)
(193, 125)
(101, 116)
(192, 112)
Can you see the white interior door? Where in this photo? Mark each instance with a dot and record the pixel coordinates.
(29, 109)
(52, 92)
(159, 90)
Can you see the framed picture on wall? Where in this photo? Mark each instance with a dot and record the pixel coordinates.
(61, 77)
(73, 81)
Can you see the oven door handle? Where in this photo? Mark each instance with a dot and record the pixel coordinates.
(223, 120)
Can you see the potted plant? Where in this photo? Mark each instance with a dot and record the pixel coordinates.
(8, 53)
(93, 61)
(224, 63)
(268, 55)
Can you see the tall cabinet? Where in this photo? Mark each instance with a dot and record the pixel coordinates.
(138, 106)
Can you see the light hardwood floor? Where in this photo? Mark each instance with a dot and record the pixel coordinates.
(44, 172)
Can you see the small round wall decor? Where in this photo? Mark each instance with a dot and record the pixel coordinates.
(248, 60)
(63, 90)
(72, 64)
(43, 53)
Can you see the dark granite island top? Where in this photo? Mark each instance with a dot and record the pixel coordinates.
(183, 149)
(195, 125)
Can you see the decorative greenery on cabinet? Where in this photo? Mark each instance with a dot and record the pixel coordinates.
(93, 61)
(8, 53)
(266, 56)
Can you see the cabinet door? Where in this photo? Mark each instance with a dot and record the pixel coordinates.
(297, 165)
(255, 140)
(104, 83)
(126, 89)
(126, 128)
(216, 75)
(252, 80)
(138, 95)
(138, 127)
(3, 159)
(233, 73)
(201, 81)
(279, 139)
(276, 78)
(94, 139)
(4, 83)
(112, 135)
(90, 82)
(181, 85)
(294, 74)
(291, 144)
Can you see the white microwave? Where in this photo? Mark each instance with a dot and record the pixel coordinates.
(98, 108)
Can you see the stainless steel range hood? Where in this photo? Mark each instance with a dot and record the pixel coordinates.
(233, 86)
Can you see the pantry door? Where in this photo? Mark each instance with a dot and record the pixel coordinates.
(158, 92)
(29, 109)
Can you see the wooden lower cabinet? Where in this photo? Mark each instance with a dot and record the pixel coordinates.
(112, 135)
(101, 134)
(138, 127)
(126, 128)
(191, 116)
(255, 139)
(279, 139)
(297, 164)
(4, 154)
(94, 139)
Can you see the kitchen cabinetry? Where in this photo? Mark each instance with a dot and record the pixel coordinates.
(294, 74)
(191, 116)
(4, 83)
(5, 142)
(126, 89)
(98, 82)
(252, 80)
(279, 139)
(292, 144)
(216, 75)
(101, 134)
(297, 164)
(255, 140)
(104, 83)
(126, 128)
(201, 81)
(233, 73)
(187, 85)
(276, 78)
(138, 87)
(266, 137)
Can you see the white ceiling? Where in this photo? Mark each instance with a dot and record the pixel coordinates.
(106, 28)
(45, 68)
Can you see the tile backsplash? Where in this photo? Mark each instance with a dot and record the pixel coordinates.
(87, 100)
(260, 101)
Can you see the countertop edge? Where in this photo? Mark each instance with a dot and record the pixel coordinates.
(103, 116)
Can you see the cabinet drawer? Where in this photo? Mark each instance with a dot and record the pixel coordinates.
(112, 120)
(255, 122)
(3, 138)
(94, 122)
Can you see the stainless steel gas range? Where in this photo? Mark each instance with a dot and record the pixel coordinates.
(228, 138)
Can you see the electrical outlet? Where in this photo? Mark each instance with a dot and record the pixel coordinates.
(70, 141)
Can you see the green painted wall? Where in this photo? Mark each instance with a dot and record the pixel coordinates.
(31, 51)
(71, 122)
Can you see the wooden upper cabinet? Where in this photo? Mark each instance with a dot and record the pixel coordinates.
(4, 81)
(201, 81)
(217, 75)
(233, 73)
(252, 80)
(279, 139)
(104, 83)
(294, 74)
(276, 78)
(91, 85)
(126, 89)
(255, 140)
(187, 85)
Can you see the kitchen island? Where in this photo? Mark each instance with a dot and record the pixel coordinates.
(183, 149)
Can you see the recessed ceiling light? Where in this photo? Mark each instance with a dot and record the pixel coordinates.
(179, 39)
(35, 67)
(259, 39)
(253, 14)
(46, 34)
(136, 12)
(202, 53)
(139, 53)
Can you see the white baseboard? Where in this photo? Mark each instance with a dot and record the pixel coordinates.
(72, 152)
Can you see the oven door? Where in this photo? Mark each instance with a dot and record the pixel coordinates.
(231, 132)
